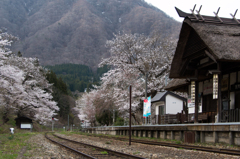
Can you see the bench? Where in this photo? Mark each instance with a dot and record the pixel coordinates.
(202, 117)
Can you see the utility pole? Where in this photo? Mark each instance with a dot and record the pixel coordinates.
(130, 112)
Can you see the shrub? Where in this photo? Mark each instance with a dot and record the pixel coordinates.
(11, 122)
(119, 122)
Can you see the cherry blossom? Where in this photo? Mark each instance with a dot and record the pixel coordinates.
(24, 88)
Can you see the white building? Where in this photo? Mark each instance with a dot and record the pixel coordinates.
(165, 103)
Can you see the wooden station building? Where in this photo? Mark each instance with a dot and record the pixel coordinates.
(206, 65)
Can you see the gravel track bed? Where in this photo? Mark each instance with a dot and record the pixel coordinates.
(146, 151)
(42, 148)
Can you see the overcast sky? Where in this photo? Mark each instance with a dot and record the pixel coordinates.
(208, 7)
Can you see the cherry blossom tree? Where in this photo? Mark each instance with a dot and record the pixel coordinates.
(133, 58)
(86, 108)
(142, 55)
(115, 85)
(24, 88)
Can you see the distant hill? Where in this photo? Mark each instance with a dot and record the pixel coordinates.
(75, 31)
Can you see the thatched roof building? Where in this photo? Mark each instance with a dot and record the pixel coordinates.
(219, 41)
(206, 65)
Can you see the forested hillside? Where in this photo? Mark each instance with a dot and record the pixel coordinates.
(75, 31)
(76, 76)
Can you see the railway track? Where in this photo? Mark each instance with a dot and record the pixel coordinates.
(88, 151)
(183, 146)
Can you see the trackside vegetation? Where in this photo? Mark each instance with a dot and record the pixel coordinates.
(11, 145)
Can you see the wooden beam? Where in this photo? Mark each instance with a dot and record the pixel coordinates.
(214, 71)
(183, 68)
(206, 64)
(210, 56)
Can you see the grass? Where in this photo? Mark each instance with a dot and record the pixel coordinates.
(178, 142)
(135, 153)
(104, 152)
(10, 145)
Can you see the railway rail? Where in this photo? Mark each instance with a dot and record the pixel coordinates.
(87, 150)
(183, 146)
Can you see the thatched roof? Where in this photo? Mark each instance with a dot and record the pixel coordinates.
(221, 40)
(176, 84)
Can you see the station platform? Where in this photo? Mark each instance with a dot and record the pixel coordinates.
(228, 133)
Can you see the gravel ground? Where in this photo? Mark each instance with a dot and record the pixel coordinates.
(41, 148)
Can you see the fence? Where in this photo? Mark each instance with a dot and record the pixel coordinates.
(206, 117)
(171, 118)
(232, 115)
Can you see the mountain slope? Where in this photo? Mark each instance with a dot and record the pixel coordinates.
(75, 31)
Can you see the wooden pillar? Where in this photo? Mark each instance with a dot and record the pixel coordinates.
(219, 103)
(196, 103)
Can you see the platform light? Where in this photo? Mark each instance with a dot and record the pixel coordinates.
(215, 86)
(193, 91)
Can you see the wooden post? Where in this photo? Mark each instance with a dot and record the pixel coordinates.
(196, 103)
(219, 102)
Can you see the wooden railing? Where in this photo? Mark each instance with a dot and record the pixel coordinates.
(171, 118)
(232, 115)
(206, 117)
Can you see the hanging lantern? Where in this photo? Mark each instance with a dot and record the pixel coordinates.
(193, 91)
(215, 86)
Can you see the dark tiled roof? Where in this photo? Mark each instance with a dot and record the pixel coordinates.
(160, 96)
